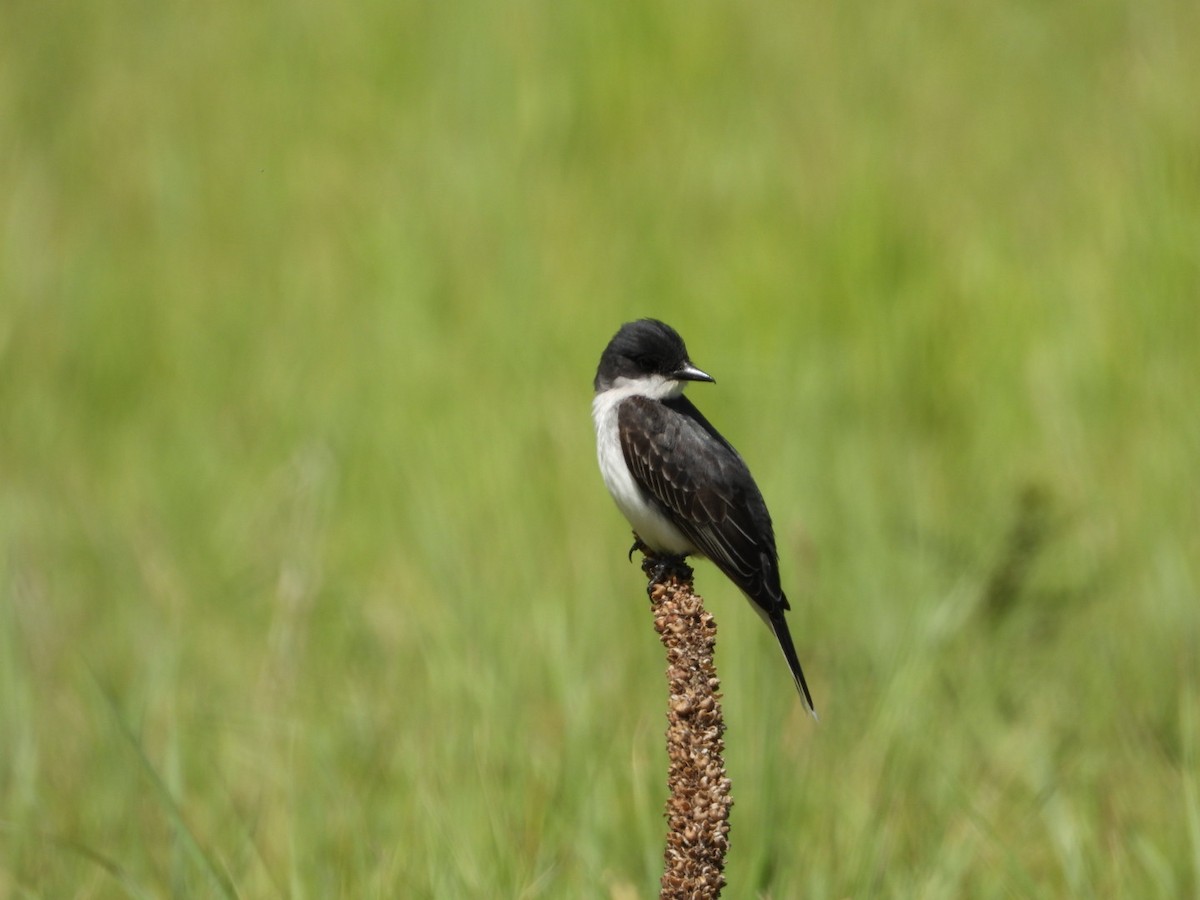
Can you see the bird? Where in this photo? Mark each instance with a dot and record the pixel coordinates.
(683, 487)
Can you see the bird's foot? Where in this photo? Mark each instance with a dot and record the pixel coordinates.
(659, 567)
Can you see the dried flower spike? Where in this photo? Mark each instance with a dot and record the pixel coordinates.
(697, 810)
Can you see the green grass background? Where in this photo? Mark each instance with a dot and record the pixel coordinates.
(309, 586)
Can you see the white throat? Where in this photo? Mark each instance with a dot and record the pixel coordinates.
(656, 387)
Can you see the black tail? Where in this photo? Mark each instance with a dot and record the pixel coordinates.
(779, 626)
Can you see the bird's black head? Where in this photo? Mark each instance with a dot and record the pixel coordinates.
(647, 350)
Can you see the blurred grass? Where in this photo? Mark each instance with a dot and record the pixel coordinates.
(299, 309)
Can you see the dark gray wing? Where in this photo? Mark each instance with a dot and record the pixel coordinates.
(701, 484)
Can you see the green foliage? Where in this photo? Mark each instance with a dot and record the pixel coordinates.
(308, 584)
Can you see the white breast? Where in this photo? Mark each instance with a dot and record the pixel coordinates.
(651, 526)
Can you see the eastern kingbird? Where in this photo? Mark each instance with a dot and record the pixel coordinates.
(681, 485)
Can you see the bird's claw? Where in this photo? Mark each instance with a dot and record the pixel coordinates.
(638, 544)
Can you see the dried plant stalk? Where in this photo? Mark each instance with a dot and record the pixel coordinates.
(698, 807)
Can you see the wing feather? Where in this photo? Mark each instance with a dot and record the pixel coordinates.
(667, 445)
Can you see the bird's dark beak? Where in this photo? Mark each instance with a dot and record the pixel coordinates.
(688, 372)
